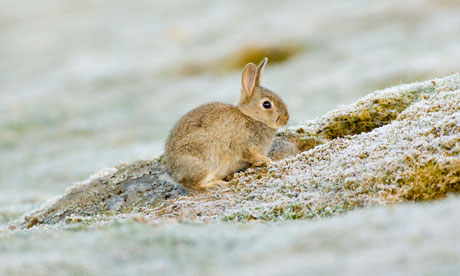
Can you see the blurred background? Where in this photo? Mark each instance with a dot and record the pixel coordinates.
(88, 84)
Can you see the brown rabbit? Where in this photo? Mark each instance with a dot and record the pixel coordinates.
(215, 140)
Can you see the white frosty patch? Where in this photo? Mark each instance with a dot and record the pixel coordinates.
(100, 174)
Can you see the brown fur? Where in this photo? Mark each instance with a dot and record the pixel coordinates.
(214, 140)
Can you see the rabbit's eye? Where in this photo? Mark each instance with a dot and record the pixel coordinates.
(267, 104)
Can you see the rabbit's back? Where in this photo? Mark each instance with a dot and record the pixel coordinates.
(204, 128)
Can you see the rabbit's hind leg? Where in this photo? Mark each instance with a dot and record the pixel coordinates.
(190, 172)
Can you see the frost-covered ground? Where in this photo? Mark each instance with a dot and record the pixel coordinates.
(401, 240)
(85, 85)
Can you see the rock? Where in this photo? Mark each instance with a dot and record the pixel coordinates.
(281, 149)
(128, 188)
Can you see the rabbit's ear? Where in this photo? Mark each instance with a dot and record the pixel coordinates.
(248, 79)
(260, 67)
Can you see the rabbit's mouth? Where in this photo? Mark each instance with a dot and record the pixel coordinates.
(282, 120)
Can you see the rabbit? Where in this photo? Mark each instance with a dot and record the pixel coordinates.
(215, 140)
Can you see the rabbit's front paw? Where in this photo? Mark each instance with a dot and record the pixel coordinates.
(263, 161)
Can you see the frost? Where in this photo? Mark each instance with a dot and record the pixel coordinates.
(100, 174)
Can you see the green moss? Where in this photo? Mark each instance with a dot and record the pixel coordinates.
(379, 112)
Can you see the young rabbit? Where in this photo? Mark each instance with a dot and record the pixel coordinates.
(215, 140)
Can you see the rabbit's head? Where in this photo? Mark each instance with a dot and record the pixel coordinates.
(258, 102)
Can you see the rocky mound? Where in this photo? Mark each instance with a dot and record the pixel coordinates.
(397, 144)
